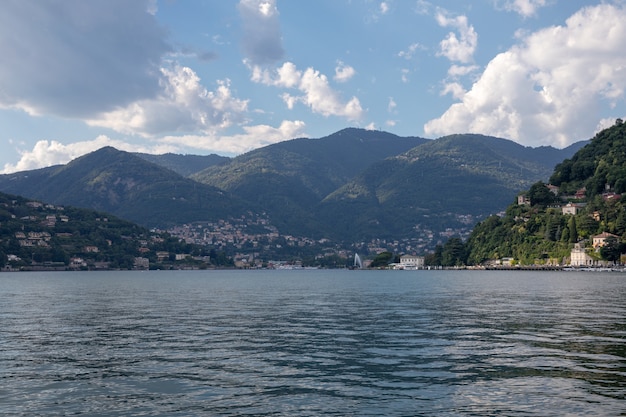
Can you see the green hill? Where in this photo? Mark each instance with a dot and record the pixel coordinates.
(39, 236)
(539, 232)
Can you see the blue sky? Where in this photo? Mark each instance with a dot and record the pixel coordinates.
(227, 76)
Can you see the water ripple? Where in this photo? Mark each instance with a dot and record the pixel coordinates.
(313, 343)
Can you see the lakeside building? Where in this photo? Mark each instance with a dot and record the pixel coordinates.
(579, 257)
(410, 262)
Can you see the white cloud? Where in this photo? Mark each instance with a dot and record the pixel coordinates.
(73, 58)
(184, 105)
(607, 122)
(547, 90)
(405, 75)
(252, 138)
(384, 7)
(526, 8)
(423, 7)
(47, 153)
(456, 71)
(460, 49)
(343, 72)
(391, 106)
(262, 39)
(455, 89)
(410, 51)
(317, 92)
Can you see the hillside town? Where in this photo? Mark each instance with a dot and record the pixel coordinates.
(253, 241)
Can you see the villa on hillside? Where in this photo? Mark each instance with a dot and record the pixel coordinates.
(600, 240)
(523, 200)
(572, 208)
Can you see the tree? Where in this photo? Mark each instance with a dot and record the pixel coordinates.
(540, 194)
(612, 249)
(382, 260)
(434, 259)
(573, 232)
(454, 252)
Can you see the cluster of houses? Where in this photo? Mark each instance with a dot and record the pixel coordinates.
(580, 256)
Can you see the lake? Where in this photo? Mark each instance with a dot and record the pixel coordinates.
(313, 342)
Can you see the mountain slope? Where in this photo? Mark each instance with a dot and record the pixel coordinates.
(185, 165)
(123, 184)
(540, 232)
(437, 184)
(289, 179)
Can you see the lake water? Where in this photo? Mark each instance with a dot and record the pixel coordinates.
(313, 342)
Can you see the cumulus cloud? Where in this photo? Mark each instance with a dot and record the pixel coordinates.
(547, 90)
(316, 91)
(252, 138)
(47, 153)
(262, 39)
(525, 8)
(455, 89)
(73, 58)
(460, 49)
(183, 105)
(343, 72)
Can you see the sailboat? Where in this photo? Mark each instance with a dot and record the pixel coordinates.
(357, 262)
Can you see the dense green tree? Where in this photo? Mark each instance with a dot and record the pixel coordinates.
(454, 252)
(434, 258)
(612, 249)
(540, 194)
(382, 260)
(573, 231)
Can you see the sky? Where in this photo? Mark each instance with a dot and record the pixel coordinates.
(227, 76)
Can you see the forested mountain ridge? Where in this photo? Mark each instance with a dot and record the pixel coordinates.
(127, 186)
(438, 184)
(540, 230)
(600, 164)
(289, 179)
(352, 186)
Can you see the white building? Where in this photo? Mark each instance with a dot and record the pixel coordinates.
(579, 257)
(570, 208)
(410, 262)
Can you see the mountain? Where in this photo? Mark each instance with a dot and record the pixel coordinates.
(540, 230)
(127, 186)
(352, 186)
(438, 184)
(289, 179)
(185, 165)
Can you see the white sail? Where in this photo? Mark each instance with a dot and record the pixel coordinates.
(357, 261)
